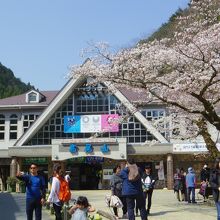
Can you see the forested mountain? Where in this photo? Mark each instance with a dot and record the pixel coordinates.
(10, 85)
(167, 30)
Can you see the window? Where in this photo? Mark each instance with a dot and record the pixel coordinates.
(28, 120)
(32, 97)
(2, 127)
(13, 127)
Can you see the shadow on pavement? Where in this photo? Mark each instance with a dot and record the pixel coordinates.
(160, 213)
(8, 207)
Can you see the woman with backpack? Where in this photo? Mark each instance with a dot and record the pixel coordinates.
(59, 191)
(116, 189)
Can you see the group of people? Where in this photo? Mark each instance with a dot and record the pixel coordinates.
(133, 187)
(185, 184)
(59, 194)
(129, 183)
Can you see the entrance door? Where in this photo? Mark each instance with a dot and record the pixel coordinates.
(85, 176)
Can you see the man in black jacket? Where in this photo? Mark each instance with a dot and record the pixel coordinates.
(205, 173)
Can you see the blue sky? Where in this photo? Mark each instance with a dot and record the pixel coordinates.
(40, 40)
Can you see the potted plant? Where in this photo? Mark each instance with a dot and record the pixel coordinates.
(22, 186)
(11, 182)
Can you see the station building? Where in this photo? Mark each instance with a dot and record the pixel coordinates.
(64, 126)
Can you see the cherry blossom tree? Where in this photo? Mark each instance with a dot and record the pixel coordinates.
(183, 72)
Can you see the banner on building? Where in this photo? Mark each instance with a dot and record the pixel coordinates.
(192, 147)
(91, 123)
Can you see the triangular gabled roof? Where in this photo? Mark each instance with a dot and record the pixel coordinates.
(63, 95)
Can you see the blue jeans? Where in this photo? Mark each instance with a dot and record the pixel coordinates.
(31, 206)
(130, 199)
(218, 210)
(189, 191)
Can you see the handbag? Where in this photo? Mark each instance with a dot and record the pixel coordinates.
(115, 202)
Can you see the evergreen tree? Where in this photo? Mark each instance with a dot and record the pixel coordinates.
(10, 85)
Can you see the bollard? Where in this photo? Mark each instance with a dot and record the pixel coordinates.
(64, 212)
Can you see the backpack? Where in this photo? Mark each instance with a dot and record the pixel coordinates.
(118, 185)
(64, 193)
(115, 202)
(133, 174)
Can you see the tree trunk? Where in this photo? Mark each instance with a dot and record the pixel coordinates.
(210, 144)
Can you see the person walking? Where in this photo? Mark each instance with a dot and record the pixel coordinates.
(54, 192)
(215, 184)
(177, 186)
(191, 184)
(132, 189)
(205, 189)
(35, 192)
(183, 181)
(205, 173)
(116, 189)
(148, 182)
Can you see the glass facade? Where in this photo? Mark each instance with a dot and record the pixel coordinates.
(28, 119)
(94, 101)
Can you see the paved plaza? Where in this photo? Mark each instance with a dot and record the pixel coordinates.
(165, 206)
(12, 207)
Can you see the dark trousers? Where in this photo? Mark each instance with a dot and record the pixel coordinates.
(148, 198)
(57, 210)
(189, 191)
(139, 198)
(31, 206)
(218, 210)
(124, 208)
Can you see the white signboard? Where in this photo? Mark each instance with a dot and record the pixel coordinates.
(107, 174)
(192, 147)
(161, 171)
(90, 123)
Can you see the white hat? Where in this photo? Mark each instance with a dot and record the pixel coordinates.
(205, 166)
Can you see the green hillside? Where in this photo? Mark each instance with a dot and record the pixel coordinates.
(10, 85)
(167, 30)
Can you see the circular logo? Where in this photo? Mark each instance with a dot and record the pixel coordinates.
(85, 119)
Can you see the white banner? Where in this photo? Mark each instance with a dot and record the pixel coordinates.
(192, 147)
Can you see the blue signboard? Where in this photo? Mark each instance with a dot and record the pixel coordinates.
(73, 148)
(94, 159)
(105, 148)
(72, 124)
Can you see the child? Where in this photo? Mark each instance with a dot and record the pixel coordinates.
(81, 209)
